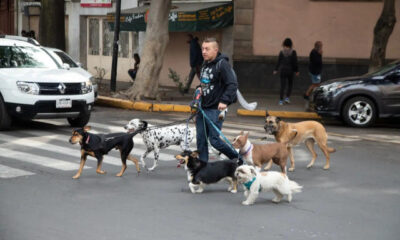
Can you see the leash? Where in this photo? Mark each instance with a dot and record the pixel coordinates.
(171, 124)
(216, 128)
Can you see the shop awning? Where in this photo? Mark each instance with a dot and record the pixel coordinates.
(183, 17)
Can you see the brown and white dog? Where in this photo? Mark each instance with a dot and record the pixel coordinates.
(295, 133)
(259, 154)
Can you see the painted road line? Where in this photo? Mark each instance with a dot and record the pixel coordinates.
(38, 160)
(9, 172)
(43, 143)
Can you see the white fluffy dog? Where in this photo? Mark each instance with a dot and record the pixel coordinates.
(254, 182)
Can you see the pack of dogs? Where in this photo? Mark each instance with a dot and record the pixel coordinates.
(252, 176)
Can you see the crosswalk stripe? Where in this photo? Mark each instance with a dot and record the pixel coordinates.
(42, 142)
(39, 160)
(9, 172)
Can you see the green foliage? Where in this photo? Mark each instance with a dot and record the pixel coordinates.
(176, 79)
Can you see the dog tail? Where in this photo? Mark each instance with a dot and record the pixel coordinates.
(294, 187)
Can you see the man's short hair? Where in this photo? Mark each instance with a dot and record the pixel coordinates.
(211, 39)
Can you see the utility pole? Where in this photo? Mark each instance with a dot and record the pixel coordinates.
(113, 83)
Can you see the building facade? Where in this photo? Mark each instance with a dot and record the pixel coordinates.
(344, 26)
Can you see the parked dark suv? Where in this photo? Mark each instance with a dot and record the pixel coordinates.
(359, 101)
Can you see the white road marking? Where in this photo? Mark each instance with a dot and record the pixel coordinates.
(9, 172)
(39, 160)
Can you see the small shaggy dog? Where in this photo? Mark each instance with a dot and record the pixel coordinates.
(255, 182)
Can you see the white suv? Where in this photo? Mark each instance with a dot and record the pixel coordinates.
(33, 85)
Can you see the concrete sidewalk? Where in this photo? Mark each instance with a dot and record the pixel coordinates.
(173, 101)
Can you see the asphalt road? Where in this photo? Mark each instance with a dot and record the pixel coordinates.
(358, 198)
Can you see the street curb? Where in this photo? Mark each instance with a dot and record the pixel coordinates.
(141, 106)
(282, 114)
(159, 107)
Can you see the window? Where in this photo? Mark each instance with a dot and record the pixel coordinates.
(135, 43)
(108, 38)
(25, 57)
(123, 50)
(94, 46)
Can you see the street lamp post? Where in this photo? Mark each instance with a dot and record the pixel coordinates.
(113, 82)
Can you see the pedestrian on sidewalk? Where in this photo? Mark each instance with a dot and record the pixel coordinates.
(287, 66)
(314, 68)
(196, 59)
(218, 87)
(133, 71)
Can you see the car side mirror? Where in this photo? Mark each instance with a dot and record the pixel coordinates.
(66, 66)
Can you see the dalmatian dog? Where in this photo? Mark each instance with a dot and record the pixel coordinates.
(159, 138)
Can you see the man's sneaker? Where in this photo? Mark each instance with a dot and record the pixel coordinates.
(306, 97)
(280, 102)
(287, 100)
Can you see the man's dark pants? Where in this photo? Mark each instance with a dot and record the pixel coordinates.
(205, 129)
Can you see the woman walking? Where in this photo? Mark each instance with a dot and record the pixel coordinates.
(287, 66)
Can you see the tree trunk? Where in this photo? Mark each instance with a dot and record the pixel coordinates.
(52, 24)
(382, 31)
(157, 37)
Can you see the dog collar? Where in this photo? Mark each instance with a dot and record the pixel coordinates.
(247, 151)
(249, 183)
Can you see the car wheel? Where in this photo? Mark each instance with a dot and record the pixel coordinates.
(5, 120)
(359, 112)
(79, 121)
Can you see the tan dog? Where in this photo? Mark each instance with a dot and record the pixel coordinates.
(295, 133)
(259, 154)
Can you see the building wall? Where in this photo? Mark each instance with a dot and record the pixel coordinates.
(177, 55)
(345, 28)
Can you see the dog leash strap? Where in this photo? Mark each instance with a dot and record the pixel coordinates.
(217, 129)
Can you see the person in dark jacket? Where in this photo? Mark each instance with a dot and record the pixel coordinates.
(315, 68)
(132, 72)
(196, 59)
(287, 66)
(218, 86)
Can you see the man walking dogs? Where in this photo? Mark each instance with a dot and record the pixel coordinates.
(218, 87)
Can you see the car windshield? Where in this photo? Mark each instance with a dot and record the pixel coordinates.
(384, 69)
(25, 57)
(62, 57)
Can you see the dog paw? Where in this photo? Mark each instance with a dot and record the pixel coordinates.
(150, 169)
(276, 200)
(246, 203)
(291, 169)
(233, 191)
(309, 165)
(76, 176)
(326, 167)
(101, 172)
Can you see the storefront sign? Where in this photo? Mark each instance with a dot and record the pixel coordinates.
(180, 21)
(96, 3)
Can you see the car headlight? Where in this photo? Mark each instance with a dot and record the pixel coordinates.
(28, 87)
(334, 86)
(86, 87)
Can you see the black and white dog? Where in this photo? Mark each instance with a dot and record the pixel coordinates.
(201, 173)
(159, 138)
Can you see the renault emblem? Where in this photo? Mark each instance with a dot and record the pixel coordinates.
(61, 87)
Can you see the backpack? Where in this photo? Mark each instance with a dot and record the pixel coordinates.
(217, 68)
